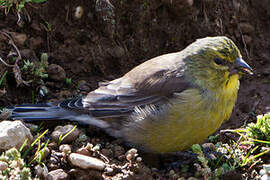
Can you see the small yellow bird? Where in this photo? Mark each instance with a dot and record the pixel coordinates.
(165, 104)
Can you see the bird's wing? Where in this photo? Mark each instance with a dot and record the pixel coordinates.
(152, 82)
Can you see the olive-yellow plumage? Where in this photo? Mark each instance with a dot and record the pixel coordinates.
(166, 104)
(192, 118)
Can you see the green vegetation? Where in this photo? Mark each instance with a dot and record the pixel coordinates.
(47, 26)
(40, 149)
(16, 168)
(259, 132)
(245, 153)
(38, 70)
(2, 78)
(68, 81)
(19, 169)
(61, 137)
(18, 4)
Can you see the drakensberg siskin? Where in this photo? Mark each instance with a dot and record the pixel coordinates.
(165, 104)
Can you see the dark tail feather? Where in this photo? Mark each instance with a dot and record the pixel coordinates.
(48, 111)
(36, 112)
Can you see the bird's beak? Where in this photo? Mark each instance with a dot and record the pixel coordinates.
(241, 66)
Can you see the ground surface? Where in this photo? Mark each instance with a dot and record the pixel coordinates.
(111, 38)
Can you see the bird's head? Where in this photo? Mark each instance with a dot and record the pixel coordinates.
(213, 61)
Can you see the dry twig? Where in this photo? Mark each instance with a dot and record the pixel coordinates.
(16, 69)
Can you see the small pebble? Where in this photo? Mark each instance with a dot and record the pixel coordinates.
(192, 178)
(43, 91)
(209, 146)
(41, 172)
(89, 146)
(78, 12)
(56, 72)
(129, 157)
(58, 174)
(139, 159)
(181, 178)
(131, 154)
(58, 154)
(265, 177)
(54, 160)
(52, 145)
(96, 147)
(62, 130)
(171, 173)
(190, 2)
(83, 151)
(86, 162)
(108, 170)
(65, 148)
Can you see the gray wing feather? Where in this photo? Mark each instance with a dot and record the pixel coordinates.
(152, 82)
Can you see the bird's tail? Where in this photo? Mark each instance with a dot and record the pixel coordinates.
(49, 111)
(36, 112)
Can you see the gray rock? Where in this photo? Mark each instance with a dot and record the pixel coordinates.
(13, 134)
(56, 72)
(58, 174)
(41, 172)
(62, 130)
(86, 162)
(83, 151)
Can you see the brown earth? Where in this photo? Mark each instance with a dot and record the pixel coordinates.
(113, 36)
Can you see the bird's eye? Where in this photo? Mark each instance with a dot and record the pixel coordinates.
(219, 61)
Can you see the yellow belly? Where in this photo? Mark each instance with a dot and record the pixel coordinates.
(188, 123)
(191, 118)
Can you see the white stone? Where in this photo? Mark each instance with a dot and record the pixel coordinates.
(86, 162)
(78, 12)
(265, 177)
(13, 134)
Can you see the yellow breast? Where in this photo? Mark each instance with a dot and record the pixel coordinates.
(191, 118)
